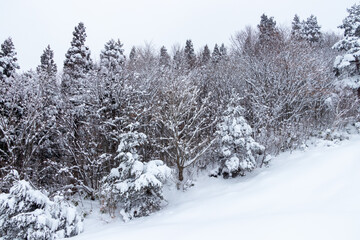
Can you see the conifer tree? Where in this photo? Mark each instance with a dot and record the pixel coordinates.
(346, 66)
(8, 60)
(223, 51)
(311, 30)
(269, 34)
(164, 57)
(190, 57)
(237, 149)
(47, 67)
(216, 55)
(78, 62)
(206, 55)
(296, 28)
(112, 58)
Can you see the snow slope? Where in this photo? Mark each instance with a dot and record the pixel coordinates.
(304, 195)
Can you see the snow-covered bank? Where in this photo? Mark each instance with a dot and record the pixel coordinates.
(303, 195)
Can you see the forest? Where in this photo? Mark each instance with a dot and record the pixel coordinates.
(117, 130)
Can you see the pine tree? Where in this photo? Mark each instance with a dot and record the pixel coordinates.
(190, 56)
(223, 50)
(26, 213)
(296, 28)
(8, 60)
(164, 57)
(237, 149)
(311, 30)
(78, 62)
(47, 67)
(216, 55)
(112, 58)
(347, 66)
(206, 55)
(269, 34)
(134, 186)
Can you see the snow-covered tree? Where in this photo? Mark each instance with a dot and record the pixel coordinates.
(216, 55)
(8, 60)
(347, 65)
(268, 32)
(219, 53)
(112, 58)
(47, 65)
(164, 59)
(206, 55)
(77, 62)
(190, 56)
(223, 51)
(182, 122)
(296, 28)
(310, 30)
(134, 187)
(26, 213)
(237, 149)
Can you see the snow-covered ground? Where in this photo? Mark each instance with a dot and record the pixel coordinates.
(312, 194)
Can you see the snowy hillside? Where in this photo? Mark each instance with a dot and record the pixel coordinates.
(303, 195)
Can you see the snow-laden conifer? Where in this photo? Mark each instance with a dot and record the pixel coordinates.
(238, 152)
(134, 187)
(346, 65)
(26, 213)
(8, 59)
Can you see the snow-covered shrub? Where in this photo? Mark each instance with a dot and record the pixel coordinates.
(134, 187)
(26, 213)
(238, 151)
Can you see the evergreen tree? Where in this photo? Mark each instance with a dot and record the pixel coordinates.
(134, 186)
(311, 30)
(78, 62)
(8, 60)
(347, 65)
(237, 149)
(26, 213)
(269, 34)
(206, 55)
(47, 67)
(164, 57)
(112, 58)
(223, 51)
(296, 28)
(190, 56)
(216, 55)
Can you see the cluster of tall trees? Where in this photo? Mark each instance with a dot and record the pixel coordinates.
(227, 108)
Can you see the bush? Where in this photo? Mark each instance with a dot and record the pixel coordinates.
(26, 213)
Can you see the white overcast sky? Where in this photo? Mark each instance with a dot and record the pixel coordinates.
(33, 24)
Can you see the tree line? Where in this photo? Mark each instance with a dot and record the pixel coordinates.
(126, 123)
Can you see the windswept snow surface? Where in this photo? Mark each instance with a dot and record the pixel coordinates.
(312, 194)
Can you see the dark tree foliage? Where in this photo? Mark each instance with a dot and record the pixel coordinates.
(206, 55)
(268, 32)
(164, 57)
(8, 59)
(47, 64)
(190, 56)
